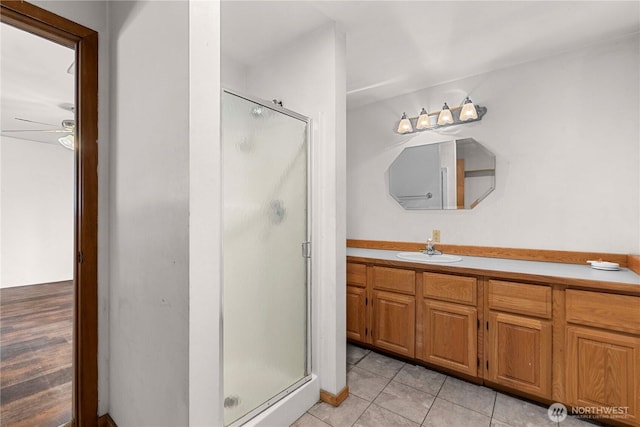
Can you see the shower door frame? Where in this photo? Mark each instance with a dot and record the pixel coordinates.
(308, 259)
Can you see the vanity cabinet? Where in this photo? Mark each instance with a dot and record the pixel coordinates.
(449, 322)
(561, 342)
(519, 336)
(381, 307)
(393, 310)
(357, 302)
(603, 352)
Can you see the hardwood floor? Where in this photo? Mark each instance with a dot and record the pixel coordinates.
(36, 332)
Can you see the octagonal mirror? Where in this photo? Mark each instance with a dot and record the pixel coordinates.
(455, 174)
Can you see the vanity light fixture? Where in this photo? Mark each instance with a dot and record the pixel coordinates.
(445, 117)
(405, 124)
(468, 111)
(424, 122)
(465, 113)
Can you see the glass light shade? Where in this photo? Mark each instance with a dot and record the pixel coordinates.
(424, 121)
(68, 142)
(445, 117)
(405, 124)
(468, 110)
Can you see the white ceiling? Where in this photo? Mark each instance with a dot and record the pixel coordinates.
(393, 47)
(34, 83)
(397, 47)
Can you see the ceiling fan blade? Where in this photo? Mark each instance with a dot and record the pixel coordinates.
(35, 140)
(37, 130)
(33, 121)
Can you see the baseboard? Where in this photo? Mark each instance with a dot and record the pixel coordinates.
(334, 399)
(106, 421)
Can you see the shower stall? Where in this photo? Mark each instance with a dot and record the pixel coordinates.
(266, 254)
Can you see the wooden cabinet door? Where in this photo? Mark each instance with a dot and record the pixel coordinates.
(450, 336)
(394, 322)
(603, 371)
(356, 313)
(519, 353)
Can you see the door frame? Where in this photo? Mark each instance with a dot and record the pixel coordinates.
(84, 41)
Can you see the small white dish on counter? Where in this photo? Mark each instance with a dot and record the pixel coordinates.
(422, 257)
(604, 265)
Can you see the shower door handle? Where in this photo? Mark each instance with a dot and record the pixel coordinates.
(306, 249)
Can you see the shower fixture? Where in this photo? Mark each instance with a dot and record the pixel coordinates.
(257, 112)
(277, 211)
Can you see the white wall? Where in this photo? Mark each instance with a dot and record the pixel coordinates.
(149, 213)
(93, 14)
(565, 132)
(205, 376)
(309, 76)
(233, 75)
(37, 213)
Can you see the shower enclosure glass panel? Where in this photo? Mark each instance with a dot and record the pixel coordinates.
(265, 225)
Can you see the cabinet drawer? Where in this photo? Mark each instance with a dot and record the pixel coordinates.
(394, 279)
(610, 311)
(356, 274)
(450, 288)
(534, 300)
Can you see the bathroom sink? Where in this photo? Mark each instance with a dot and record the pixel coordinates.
(422, 257)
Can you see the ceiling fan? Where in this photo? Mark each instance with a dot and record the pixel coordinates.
(67, 126)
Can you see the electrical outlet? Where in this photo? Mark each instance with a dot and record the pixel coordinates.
(435, 235)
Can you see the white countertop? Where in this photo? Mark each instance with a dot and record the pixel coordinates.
(551, 269)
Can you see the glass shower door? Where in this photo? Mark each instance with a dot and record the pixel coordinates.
(265, 226)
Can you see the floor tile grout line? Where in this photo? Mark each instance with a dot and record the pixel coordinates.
(360, 416)
(376, 373)
(434, 400)
(493, 408)
(415, 388)
(371, 402)
(442, 385)
(360, 397)
(465, 407)
(406, 385)
(394, 412)
(322, 421)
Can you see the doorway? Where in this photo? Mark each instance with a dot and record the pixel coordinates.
(84, 42)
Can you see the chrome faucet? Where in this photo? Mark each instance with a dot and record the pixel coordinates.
(431, 248)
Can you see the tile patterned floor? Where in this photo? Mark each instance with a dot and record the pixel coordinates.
(385, 392)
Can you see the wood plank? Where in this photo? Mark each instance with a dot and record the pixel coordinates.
(558, 345)
(616, 312)
(333, 399)
(394, 279)
(356, 274)
(633, 262)
(546, 255)
(447, 287)
(460, 183)
(106, 421)
(36, 354)
(521, 298)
